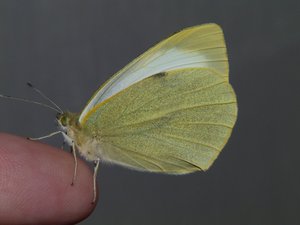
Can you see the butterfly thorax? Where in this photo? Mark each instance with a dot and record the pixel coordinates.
(75, 134)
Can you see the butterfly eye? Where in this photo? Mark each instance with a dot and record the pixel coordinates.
(63, 121)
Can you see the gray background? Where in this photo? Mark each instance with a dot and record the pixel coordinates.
(68, 48)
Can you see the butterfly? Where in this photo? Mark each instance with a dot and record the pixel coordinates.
(171, 110)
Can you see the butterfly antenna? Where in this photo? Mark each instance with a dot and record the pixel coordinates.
(29, 101)
(44, 96)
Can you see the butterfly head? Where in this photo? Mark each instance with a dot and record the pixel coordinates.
(66, 120)
(69, 125)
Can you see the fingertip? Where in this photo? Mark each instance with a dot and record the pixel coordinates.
(35, 184)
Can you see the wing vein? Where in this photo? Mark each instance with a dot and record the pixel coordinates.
(166, 115)
(131, 158)
(193, 142)
(140, 155)
(144, 158)
(204, 123)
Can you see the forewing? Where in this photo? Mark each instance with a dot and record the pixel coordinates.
(195, 47)
(172, 122)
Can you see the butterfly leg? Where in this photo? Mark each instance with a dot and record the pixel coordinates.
(46, 136)
(73, 148)
(96, 168)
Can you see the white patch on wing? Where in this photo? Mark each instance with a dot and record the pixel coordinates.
(170, 60)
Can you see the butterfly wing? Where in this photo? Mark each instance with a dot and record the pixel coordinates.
(195, 47)
(173, 122)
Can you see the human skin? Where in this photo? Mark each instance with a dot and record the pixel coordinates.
(35, 184)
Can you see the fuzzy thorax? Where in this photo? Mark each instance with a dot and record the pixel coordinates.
(75, 134)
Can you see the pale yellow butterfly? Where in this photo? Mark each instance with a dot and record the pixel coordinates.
(171, 110)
